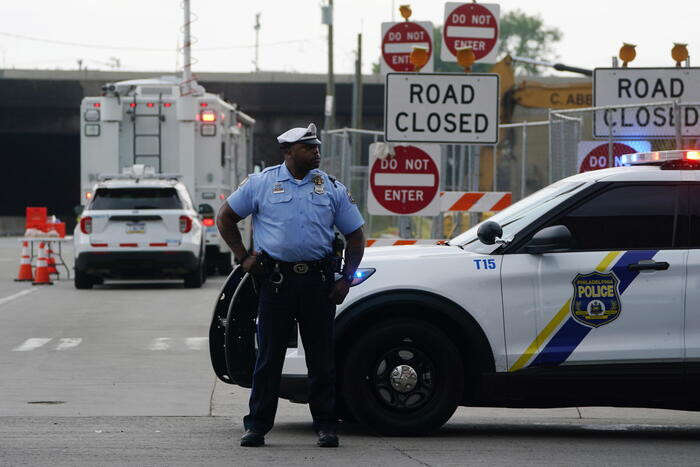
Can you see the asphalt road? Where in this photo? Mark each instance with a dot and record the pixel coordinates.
(120, 375)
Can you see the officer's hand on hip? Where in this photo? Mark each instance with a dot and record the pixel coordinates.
(339, 291)
(250, 263)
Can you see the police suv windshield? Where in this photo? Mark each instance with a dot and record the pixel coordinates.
(515, 217)
(136, 198)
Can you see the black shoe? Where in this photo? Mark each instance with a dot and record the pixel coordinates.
(252, 439)
(327, 439)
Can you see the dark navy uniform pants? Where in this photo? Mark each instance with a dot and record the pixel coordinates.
(303, 297)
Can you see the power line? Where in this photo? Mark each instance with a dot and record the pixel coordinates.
(148, 49)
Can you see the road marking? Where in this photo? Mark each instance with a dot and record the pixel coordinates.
(160, 343)
(31, 344)
(196, 343)
(17, 295)
(68, 343)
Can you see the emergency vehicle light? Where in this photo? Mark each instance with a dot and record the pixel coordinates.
(150, 104)
(167, 104)
(209, 222)
(208, 116)
(659, 156)
(96, 104)
(88, 195)
(132, 105)
(203, 104)
(361, 275)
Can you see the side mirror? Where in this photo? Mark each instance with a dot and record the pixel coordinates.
(488, 232)
(78, 210)
(550, 239)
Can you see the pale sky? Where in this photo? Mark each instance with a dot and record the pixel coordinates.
(293, 39)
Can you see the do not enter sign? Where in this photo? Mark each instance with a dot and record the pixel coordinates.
(472, 25)
(405, 183)
(594, 155)
(399, 39)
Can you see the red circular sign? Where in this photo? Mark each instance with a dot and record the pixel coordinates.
(471, 25)
(598, 157)
(397, 42)
(405, 183)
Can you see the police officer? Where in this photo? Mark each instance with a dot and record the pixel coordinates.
(294, 207)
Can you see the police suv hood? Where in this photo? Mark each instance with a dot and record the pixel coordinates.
(445, 270)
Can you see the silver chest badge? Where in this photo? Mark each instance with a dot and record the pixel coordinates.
(318, 185)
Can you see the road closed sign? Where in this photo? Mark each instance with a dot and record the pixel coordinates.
(399, 39)
(441, 108)
(626, 86)
(405, 182)
(472, 25)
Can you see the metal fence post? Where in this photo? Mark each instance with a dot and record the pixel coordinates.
(678, 126)
(523, 157)
(495, 167)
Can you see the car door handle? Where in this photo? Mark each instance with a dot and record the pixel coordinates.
(648, 264)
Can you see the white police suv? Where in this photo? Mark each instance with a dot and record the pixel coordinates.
(585, 293)
(139, 225)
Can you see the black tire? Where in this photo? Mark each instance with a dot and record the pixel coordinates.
(195, 279)
(413, 407)
(83, 281)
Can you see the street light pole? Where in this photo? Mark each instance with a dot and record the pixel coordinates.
(330, 85)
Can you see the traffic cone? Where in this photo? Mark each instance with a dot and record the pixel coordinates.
(42, 270)
(51, 261)
(25, 265)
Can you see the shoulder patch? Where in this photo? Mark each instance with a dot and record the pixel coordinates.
(352, 200)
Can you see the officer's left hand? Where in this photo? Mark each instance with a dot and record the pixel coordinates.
(339, 291)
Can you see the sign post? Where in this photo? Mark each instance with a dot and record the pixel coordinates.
(629, 86)
(441, 108)
(406, 183)
(472, 25)
(398, 39)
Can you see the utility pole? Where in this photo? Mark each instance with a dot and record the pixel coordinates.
(186, 49)
(357, 102)
(257, 42)
(330, 85)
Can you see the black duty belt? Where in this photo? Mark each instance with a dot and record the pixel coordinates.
(303, 267)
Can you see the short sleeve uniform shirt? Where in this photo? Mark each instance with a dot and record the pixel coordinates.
(293, 219)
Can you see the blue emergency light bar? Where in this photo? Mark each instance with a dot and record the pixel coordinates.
(659, 157)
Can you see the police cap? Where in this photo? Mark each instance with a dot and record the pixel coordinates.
(300, 135)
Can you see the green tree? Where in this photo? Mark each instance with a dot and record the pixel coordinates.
(527, 36)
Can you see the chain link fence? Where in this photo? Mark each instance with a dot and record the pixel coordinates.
(661, 125)
(512, 165)
(529, 156)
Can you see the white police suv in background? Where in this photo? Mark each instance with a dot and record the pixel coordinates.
(139, 225)
(585, 293)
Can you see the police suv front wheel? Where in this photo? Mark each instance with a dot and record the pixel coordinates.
(403, 378)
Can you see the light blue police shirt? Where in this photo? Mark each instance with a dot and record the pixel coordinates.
(293, 219)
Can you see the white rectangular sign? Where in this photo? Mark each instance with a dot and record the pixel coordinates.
(441, 108)
(624, 86)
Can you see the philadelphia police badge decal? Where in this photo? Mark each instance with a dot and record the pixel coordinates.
(596, 299)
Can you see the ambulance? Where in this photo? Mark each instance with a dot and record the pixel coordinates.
(586, 292)
(159, 123)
